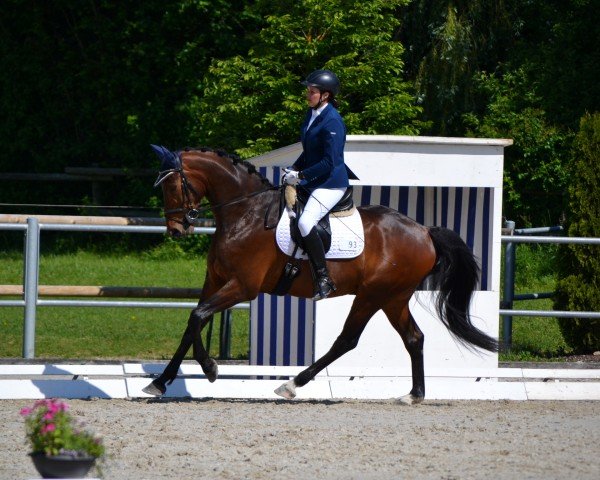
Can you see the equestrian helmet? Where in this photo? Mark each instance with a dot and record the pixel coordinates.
(324, 80)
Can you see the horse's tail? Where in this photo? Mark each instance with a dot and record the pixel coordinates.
(455, 276)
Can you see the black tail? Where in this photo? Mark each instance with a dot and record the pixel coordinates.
(455, 276)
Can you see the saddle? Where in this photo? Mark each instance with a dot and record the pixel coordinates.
(296, 199)
(293, 200)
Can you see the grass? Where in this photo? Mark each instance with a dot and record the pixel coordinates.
(88, 332)
(535, 338)
(144, 333)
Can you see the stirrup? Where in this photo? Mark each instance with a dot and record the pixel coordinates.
(324, 288)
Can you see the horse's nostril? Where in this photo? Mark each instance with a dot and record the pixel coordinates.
(175, 233)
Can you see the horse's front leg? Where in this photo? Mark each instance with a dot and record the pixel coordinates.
(159, 386)
(226, 297)
(199, 318)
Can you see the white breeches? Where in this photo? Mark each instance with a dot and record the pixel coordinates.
(319, 203)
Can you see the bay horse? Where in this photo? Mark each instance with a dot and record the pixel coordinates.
(244, 260)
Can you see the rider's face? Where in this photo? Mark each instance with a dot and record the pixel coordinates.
(313, 96)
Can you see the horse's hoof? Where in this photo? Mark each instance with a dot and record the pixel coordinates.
(287, 390)
(409, 399)
(154, 390)
(211, 370)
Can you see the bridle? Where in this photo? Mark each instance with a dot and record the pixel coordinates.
(191, 212)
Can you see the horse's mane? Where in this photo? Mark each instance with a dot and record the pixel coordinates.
(235, 159)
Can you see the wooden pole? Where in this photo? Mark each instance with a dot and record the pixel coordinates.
(83, 220)
(104, 291)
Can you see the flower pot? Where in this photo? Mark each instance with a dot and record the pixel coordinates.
(62, 466)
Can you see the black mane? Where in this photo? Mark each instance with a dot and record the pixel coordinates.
(236, 160)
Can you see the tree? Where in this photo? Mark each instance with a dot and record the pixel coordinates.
(507, 68)
(449, 42)
(254, 103)
(559, 46)
(579, 273)
(535, 174)
(95, 82)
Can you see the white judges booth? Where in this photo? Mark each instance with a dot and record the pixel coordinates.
(449, 182)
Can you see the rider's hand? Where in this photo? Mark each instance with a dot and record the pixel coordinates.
(291, 177)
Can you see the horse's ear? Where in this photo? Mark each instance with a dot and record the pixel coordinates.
(168, 159)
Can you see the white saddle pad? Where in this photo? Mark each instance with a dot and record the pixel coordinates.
(347, 237)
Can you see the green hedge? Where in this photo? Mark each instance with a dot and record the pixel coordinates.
(579, 273)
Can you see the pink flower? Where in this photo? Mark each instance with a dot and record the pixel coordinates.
(25, 411)
(48, 428)
(48, 416)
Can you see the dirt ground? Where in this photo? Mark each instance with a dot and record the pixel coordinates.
(242, 439)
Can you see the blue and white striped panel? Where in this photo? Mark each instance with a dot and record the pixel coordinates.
(281, 330)
(466, 210)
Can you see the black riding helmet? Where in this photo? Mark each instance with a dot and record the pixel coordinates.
(324, 80)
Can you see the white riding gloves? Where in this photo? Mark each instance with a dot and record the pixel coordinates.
(291, 177)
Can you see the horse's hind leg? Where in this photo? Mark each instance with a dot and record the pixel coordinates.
(360, 314)
(402, 320)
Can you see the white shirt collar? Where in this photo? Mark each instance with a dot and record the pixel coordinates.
(315, 114)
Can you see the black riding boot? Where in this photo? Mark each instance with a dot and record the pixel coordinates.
(316, 256)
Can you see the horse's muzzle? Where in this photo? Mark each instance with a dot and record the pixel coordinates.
(178, 231)
(175, 232)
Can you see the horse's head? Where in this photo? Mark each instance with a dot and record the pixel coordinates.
(179, 195)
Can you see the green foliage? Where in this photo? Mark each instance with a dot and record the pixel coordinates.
(535, 172)
(170, 248)
(559, 46)
(508, 68)
(254, 103)
(448, 42)
(93, 83)
(580, 269)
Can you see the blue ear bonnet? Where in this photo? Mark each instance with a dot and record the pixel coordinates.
(169, 162)
(168, 159)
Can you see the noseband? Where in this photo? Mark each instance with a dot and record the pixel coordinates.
(190, 212)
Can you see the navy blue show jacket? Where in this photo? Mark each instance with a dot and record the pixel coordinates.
(322, 159)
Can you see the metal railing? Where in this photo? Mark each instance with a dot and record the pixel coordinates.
(31, 299)
(525, 235)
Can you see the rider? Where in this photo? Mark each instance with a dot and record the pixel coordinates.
(320, 169)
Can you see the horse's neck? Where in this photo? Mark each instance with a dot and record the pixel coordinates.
(218, 179)
(229, 190)
(248, 214)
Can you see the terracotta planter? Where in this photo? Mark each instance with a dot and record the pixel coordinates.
(62, 466)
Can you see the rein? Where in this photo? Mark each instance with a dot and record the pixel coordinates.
(191, 213)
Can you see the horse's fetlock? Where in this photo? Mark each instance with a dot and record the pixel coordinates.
(303, 378)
